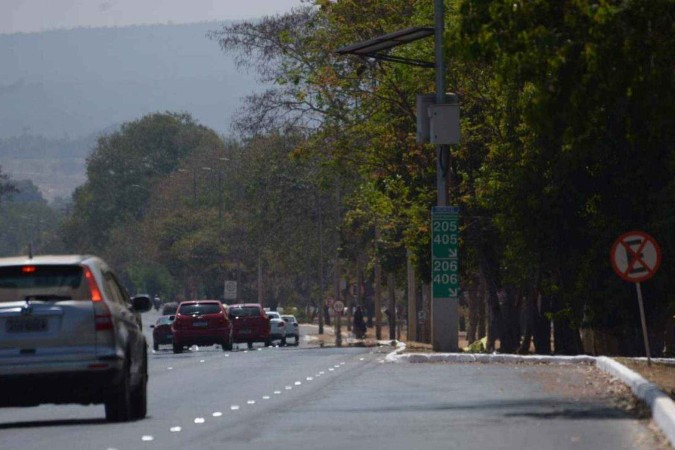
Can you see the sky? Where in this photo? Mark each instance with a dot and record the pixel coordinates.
(26, 16)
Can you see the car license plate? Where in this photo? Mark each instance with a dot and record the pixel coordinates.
(199, 324)
(26, 325)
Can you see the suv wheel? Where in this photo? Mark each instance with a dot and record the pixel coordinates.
(177, 348)
(283, 342)
(227, 346)
(118, 406)
(250, 345)
(268, 343)
(155, 346)
(139, 395)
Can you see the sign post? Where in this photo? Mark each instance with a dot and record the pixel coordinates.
(444, 278)
(230, 290)
(339, 308)
(636, 257)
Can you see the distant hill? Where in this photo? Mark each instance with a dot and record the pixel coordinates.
(65, 86)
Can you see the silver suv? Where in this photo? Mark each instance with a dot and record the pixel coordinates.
(69, 333)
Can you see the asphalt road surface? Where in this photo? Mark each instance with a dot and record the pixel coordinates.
(348, 398)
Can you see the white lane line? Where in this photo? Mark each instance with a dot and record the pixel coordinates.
(310, 378)
(288, 388)
(175, 429)
(217, 414)
(201, 360)
(298, 383)
(361, 359)
(250, 402)
(277, 392)
(234, 407)
(266, 397)
(331, 369)
(169, 368)
(199, 420)
(322, 373)
(147, 438)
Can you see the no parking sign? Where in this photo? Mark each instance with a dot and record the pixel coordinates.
(635, 257)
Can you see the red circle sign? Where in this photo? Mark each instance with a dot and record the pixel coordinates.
(635, 256)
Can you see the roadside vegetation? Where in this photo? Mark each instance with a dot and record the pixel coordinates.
(567, 142)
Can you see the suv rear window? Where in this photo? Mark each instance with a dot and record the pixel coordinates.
(199, 309)
(43, 282)
(245, 311)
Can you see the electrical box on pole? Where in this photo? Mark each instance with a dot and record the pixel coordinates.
(437, 123)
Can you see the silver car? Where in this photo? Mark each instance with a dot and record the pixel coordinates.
(69, 333)
(292, 328)
(277, 327)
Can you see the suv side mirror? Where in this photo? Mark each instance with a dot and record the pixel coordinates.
(141, 303)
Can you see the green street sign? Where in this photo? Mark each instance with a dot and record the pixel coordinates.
(445, 251)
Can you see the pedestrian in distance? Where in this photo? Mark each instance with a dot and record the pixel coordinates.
(359, 323)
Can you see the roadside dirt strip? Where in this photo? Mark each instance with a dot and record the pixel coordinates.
(661, 406)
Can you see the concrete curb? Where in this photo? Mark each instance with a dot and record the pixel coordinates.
(661, 406)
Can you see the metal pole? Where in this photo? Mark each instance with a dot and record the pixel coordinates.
(442, 151)
(194, 187)
(321, 298)
(444, 311)
(220, 197)
(336, 279)
(378, 284)
(644, 323)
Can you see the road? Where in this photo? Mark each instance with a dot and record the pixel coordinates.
(328, 398)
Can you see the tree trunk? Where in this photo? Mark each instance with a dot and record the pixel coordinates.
(412, 299)
(542, 326)
(527, 320)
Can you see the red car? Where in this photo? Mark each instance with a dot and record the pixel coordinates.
(161, 331)
(249, 324)
(201, 322)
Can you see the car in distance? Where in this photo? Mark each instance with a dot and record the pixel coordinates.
(249, 324)
(292, 328)
(161, 331)
(201, 322)
(69, 333)
(277, 327)
(169, 309)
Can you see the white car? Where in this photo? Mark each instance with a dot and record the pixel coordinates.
(292, 329)
(277, 327)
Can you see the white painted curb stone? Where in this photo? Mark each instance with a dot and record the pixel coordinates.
(661, 406)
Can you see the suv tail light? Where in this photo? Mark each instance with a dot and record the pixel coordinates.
(102, 317)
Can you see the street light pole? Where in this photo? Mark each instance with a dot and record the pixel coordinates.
(444, 310)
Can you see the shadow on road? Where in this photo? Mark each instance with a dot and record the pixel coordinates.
(52, 423)
(544, 408)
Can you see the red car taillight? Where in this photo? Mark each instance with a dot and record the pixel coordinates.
(102, 317)
(177, 323)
